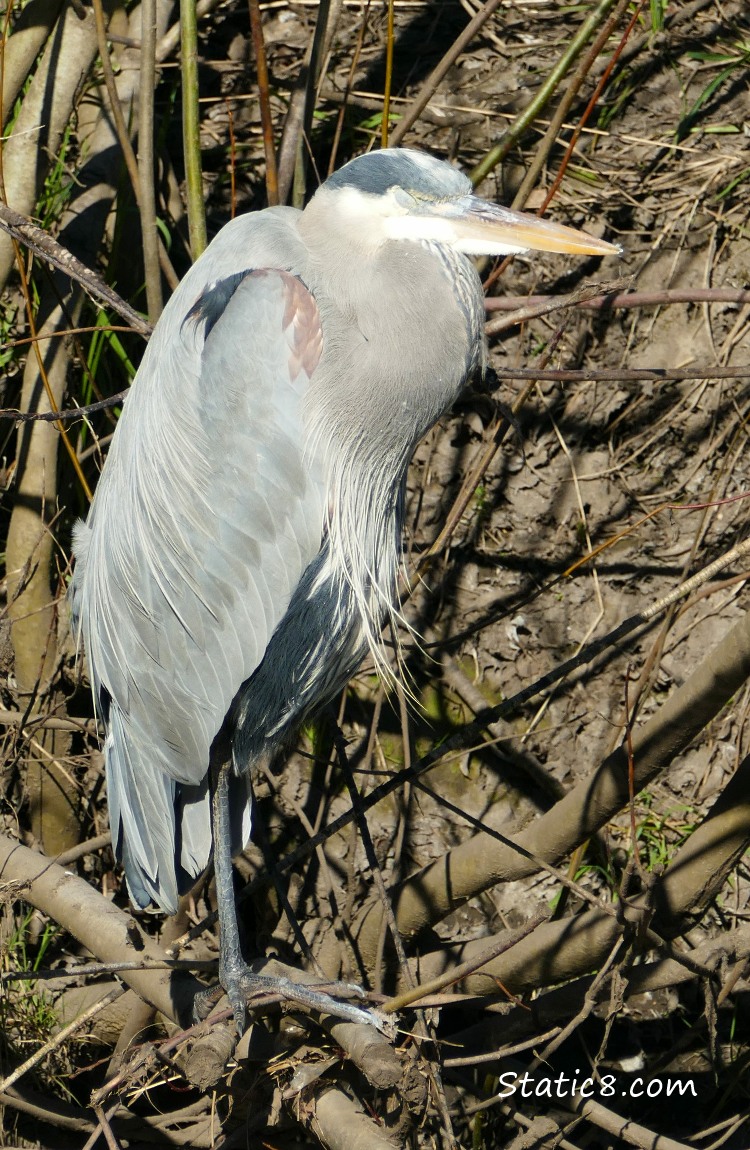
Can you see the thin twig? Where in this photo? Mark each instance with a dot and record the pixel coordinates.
(457, 973)
(191, 133)
(389, 38)
(123, 135)
(532, 309)
(38, 241)
(170, 41)
(629, 299)
(264, 96)
(497, 154)
(549, 139)
(146, 167)
(428, 89)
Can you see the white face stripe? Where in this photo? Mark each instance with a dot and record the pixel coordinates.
(441, 230)
(382, 218)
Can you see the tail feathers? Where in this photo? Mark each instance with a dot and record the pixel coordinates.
(161, 829)
(193, 827)
(194, 831)
(142, 818)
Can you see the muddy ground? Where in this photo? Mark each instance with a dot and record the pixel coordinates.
(626, 931)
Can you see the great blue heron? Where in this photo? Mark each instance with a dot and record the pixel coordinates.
(243, 546)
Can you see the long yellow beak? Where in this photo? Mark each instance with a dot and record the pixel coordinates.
(482, 228)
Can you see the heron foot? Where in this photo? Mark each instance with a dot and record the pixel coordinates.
(313, 998)
(243, 984)
(208, 998)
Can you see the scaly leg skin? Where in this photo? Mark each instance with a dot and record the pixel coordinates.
(235, 976)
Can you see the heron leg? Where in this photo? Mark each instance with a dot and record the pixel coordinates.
(232, 966)
(239, 981)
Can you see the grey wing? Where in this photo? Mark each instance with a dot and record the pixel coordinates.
(206, 515)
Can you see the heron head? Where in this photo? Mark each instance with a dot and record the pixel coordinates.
(404, 194)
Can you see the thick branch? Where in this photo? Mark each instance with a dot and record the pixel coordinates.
(565, 949)
(46, 109)
(109, 933)
(474, 866)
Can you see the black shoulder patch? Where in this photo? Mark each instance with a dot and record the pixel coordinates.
(212, 303)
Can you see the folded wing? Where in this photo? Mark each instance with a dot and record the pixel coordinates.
(206, 516)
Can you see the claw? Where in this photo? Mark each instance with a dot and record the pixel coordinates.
(237, 1000)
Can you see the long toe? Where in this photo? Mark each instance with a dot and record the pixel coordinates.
(205, 1001)
(311, 998)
